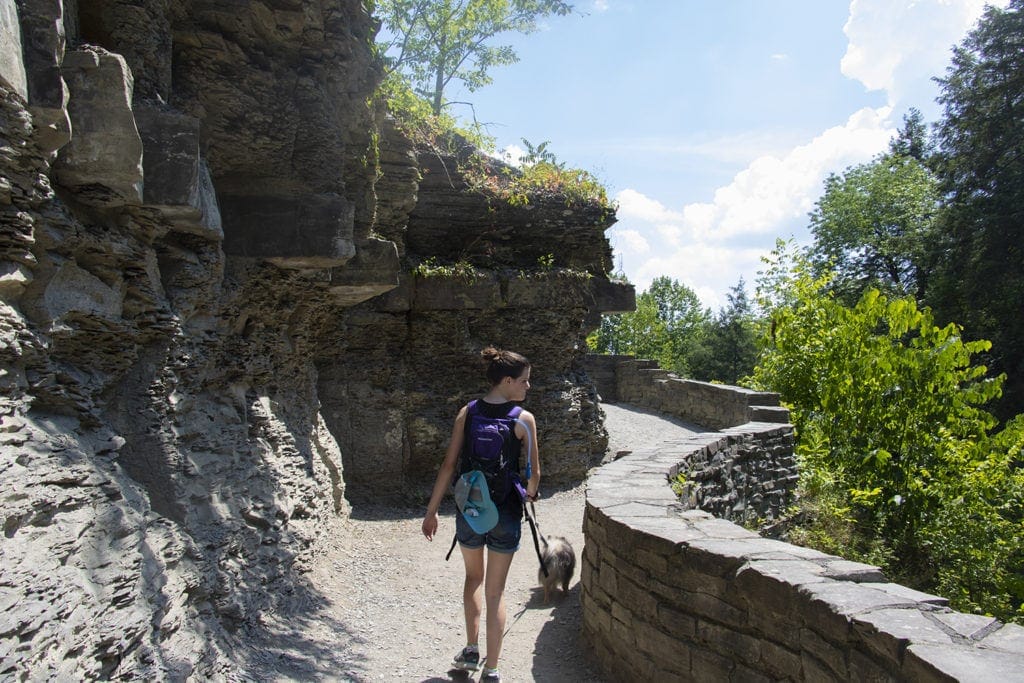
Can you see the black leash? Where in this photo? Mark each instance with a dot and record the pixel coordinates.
(533, 530)
(455, 539)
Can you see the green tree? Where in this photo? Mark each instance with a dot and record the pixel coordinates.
(667, 326)
(893, 437)
(912, 138)
(640, 333)
(728, 350)
(979, 278)
(872, 224)
(539, 154)
(685, 319)
(433, 42)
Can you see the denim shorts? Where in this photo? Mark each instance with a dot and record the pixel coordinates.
(503, 538)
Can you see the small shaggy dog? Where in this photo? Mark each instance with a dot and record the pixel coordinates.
(559, 559)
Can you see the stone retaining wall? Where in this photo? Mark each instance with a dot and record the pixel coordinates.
(752, 478)
(642, 382)
(749, 475)
(675, 594)
(671, 594)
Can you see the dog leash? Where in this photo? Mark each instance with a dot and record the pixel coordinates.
(533, 531)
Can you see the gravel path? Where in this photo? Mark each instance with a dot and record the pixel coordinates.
(387, 606)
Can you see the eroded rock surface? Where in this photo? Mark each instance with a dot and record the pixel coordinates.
(211, 337)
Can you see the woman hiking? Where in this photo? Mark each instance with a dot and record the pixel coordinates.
(509, 375)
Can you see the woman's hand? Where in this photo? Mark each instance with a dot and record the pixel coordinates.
(429, 526)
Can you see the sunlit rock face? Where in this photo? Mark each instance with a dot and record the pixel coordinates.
(182, 191)
(211, 337)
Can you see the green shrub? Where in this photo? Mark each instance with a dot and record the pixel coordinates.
(415, 117)
(432, 267)
(897, 463)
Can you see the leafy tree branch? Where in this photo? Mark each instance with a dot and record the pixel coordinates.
(435, 42)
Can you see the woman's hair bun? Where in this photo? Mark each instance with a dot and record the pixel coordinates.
(502, 363)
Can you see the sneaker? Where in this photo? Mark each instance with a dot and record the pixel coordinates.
(491, 675)
(468, 659)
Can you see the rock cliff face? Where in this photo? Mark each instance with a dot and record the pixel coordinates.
(211, 337)
(398, 367)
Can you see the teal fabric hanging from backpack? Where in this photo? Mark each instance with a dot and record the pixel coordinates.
(473, 498)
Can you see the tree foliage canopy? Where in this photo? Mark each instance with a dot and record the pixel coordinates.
(979, 252)
(894, 443)
(433, 42)
(666, 326)
(672, 327)
(873, 223)
(728, 348)
(912, 138)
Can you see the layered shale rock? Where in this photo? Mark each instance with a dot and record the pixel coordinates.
(527, 275)
(212, 338)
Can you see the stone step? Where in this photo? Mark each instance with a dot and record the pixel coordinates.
(769, 414)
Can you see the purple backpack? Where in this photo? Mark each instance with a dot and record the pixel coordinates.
(489, 447)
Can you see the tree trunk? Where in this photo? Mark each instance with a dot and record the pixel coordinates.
(438, 90)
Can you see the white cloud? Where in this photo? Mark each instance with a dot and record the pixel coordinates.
(696, 245)
(773, 189)
(895, 47)
(513, 154)
(708, 269)
(601, 5)
(898, 46)
(633, 205)
(630, 240)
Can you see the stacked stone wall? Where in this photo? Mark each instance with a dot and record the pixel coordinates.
(671, 592)
(642, 382)
(747, 477)
(675, 594)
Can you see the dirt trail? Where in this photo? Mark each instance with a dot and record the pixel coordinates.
(387, 606)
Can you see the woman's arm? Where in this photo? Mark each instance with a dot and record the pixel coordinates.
(445, 475)
(526, 430)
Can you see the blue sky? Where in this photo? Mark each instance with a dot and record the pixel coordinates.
(713, 124)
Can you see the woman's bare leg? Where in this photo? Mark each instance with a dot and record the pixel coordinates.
(472, 595)
(494, 589)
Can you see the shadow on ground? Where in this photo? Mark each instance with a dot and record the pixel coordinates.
(302, 640)
(560, 653)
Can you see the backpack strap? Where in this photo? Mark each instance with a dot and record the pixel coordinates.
(513, 415)
(471, 409)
